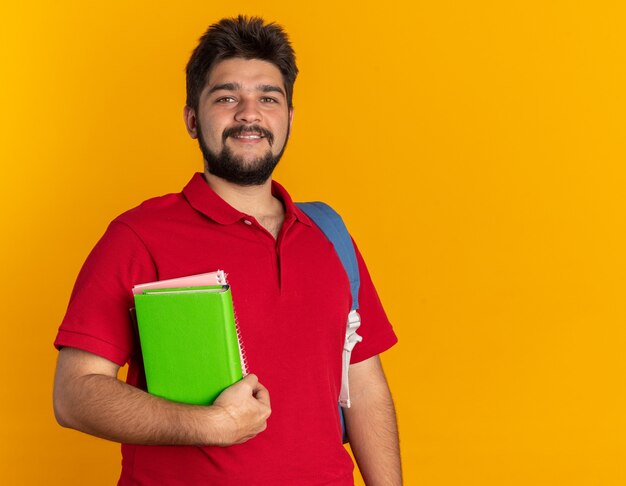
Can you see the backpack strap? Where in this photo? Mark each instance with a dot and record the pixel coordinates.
(333, 227)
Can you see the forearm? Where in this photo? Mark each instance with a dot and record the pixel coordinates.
(106, 407)
(89, 397)
(372, 428)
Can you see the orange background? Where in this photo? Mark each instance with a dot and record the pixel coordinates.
(476, 151)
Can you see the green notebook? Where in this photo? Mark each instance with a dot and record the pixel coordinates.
(189, 342)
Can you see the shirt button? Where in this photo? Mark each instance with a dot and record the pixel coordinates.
(248, 222)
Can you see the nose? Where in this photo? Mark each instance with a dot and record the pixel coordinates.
(248, 111)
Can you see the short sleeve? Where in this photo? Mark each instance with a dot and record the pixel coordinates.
(375, 329)
(98, 315)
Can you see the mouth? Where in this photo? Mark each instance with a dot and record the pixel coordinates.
(249, 134)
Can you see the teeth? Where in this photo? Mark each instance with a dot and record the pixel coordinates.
(249, 137)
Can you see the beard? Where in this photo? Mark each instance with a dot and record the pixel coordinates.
(232, 168)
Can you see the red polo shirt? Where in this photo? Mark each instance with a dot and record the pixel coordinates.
(291, 296)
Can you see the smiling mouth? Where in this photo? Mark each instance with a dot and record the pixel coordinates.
(249, 136)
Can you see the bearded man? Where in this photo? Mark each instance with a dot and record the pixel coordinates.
(290, 293)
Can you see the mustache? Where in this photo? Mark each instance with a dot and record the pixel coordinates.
(247, 129)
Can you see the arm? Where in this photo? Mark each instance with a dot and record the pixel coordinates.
(89, 397)
(371, 424)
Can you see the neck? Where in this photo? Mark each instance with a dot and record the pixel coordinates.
(256, 201)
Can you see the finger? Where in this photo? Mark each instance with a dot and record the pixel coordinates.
(262, 394)
(251, 380)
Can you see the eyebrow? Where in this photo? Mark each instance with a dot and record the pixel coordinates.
(268, 88)
(265, 88)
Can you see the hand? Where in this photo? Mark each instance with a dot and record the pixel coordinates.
(246, 407)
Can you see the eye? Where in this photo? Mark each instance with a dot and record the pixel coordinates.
(225, 99)
(267, 99)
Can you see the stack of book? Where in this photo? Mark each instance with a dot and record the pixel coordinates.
(190, 340)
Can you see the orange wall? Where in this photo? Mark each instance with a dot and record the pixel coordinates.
(476, 150)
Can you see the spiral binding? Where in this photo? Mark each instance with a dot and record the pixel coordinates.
(221, 279)
(242, 352)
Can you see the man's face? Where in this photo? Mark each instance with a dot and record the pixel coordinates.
(243, 120)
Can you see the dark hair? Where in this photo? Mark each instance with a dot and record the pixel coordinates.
(247, 38)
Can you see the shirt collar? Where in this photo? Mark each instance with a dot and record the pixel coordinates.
(205, 200)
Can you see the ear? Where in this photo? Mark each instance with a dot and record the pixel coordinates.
(290, 117)
(189, 115)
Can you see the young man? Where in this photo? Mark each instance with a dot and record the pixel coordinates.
(290, 292)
